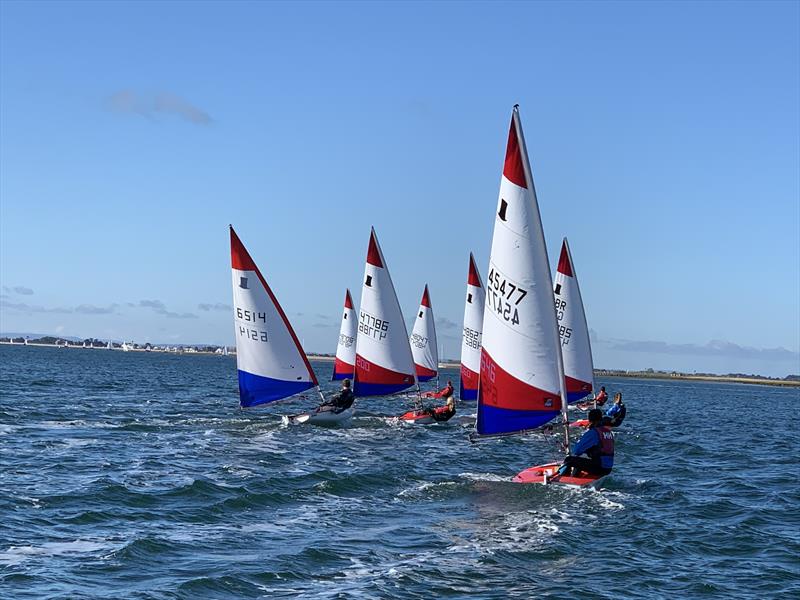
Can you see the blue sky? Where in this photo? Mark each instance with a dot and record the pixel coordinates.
(663, 139)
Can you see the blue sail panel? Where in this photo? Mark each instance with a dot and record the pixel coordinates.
(495, 421)
(255, 389)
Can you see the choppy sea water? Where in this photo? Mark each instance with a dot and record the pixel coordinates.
(135, 475)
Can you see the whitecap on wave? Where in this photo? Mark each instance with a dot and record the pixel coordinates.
(17, 554)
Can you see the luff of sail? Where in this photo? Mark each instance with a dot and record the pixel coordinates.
(271, 363)
(521, 373)
(575, 345)
(345, 363)
(472, 333)
(424, 347)
(384, 364)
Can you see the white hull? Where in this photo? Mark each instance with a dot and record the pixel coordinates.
(325, 418)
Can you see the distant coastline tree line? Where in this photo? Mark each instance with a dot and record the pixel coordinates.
(95, 343)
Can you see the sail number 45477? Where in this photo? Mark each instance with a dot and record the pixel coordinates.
(503, 297)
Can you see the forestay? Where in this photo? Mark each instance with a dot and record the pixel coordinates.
(384, 364)
(521, 373)
(345, 363)
(271, 363)
(575, 345)
(473, 328)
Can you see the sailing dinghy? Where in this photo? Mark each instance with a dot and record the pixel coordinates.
(384, 364)
(345, 363)
(424, 348)
(271, 363)
(473, 329)
(522, 384)
(576, 348)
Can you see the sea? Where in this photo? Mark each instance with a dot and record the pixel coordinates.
(136, 475)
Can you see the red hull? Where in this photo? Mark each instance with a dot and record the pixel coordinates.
(547, 474)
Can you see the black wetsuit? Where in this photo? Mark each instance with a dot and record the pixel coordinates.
(343, 400)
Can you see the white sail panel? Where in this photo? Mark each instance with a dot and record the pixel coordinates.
(521, 375)
(345, 363)
(575, 345)
(270, 361)
(384, 364)
(472, 333)
(423, 341)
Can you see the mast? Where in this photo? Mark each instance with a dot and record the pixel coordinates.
(559, 358)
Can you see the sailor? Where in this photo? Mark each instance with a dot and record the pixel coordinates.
(599, 399)
(598, 445)
(601, 396)
(444, 412)
(341, 401)
(616, 412)
(446, 392)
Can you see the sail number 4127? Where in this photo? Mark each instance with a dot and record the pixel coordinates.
(503, 297)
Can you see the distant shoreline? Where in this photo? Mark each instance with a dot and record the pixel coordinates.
(455, 365)
(712, 378)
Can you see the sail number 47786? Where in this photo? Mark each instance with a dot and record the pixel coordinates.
(503, 297)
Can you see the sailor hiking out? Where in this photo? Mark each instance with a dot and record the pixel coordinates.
(597, 443)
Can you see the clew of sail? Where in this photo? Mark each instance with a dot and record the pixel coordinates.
(575, 346)
(384, 364)
(521, 374)
(345, 363)
(473, 329)
(424, 348)
(271, 363)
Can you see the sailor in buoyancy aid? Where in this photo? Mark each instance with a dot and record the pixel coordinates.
(341, 401)
(598, 445)
(616, 411)
(443, 413)
(601, 396)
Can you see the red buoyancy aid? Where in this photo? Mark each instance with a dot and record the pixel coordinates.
(606, 441)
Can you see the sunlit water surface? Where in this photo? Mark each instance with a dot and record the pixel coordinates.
(135, 475)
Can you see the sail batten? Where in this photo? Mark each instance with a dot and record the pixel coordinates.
(521, 376)
(271, 363)
(384, 364)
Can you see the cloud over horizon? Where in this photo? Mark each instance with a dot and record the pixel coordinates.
(216, 306)
(90, 309)
(719, 348)
(31, 308)
(160, 308)
(84, 309)
(445, 323)
(161, 103)
(20, 289)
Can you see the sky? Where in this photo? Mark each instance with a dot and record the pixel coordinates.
(664, 140)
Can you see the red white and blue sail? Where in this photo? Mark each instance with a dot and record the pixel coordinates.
(521, 373)
(575, 346)
(473, 332)
(384, 364)
(424, 347)
(345, 364)
(271, 363)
